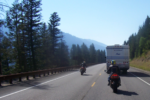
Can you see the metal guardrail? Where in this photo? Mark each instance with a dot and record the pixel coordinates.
(35, 73)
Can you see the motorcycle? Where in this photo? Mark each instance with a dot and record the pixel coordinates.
(82, 70)
(114, 82)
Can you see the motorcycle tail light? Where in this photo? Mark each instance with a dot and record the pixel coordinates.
(114, 76)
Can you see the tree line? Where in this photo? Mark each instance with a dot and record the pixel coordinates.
(83, 53)
(33, 45)
(140, 42)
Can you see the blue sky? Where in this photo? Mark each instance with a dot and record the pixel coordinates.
(106, 21)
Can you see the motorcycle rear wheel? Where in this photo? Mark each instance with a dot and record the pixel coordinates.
(115, 87)
(81, 73)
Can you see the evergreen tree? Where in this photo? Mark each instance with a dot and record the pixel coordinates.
(34, 22)
(23, 20)
(55, 35)
(79, 55)
(73, 54)
(92, 52)
(1, 36)
(44, 50)
(85, 53)
(13, 16)
(98, 56)
(6, 50)
(140, 43)
(63, 55)
(125, 43)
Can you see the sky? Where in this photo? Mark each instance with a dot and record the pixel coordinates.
(106, 21)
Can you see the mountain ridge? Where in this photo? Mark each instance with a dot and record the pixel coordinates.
(70, 39)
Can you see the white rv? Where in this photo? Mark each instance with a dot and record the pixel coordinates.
(119, 53)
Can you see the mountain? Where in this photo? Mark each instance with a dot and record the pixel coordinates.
(70, 39)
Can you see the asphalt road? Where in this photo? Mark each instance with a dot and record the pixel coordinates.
(72, 86)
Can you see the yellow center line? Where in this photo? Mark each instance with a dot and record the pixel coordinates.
(93, 84)
(100, 74)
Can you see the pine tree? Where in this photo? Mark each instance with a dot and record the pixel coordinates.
(125, 43)
(1, 36)
(63, 54)
(34, 22)
(44, 52)
(98, 56)
(73, 54)
(140, 43)
(55, 35)
(6, 51)
(14, 35)
(92, 52)
(23, 20)
(85, 53)
(79, 55)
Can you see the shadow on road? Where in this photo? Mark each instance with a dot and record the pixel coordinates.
(87, 74)
(31, 83)
(127, 93)
(131, 74)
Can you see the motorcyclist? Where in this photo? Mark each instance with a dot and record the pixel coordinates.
(113, 69)
(84, 65)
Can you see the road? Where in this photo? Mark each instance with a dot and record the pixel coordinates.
(72, 86)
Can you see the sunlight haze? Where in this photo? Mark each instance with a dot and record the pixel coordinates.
(106, 21)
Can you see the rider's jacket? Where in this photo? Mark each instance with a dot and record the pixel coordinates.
(113, 69)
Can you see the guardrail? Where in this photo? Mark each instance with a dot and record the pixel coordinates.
(35, 73)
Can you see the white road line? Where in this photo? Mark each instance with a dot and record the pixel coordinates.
(140, 79)
(35, 86)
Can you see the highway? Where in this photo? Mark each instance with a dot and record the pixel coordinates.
(72, 86)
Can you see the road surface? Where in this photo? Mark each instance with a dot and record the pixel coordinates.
(72, 86)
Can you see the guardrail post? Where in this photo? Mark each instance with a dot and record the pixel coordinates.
(27, 77)
(10, 81)
(51, 72)
(20, 79)
(48, 73)
(44, 74)
(39, 75)
(33, 76)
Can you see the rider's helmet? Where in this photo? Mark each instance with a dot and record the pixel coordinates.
(113, 62)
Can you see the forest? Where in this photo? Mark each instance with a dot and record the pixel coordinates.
(33, 45)
(140, 42)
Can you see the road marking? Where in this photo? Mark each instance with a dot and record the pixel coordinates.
(93, 84)
(140, 79)
(100, 74)
(35, 86)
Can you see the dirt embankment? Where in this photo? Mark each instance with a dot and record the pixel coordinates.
(142, 62)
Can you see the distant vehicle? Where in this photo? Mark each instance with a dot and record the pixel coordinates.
(119, 53)
(82, 70)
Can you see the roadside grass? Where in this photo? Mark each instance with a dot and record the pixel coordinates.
(142, 62)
